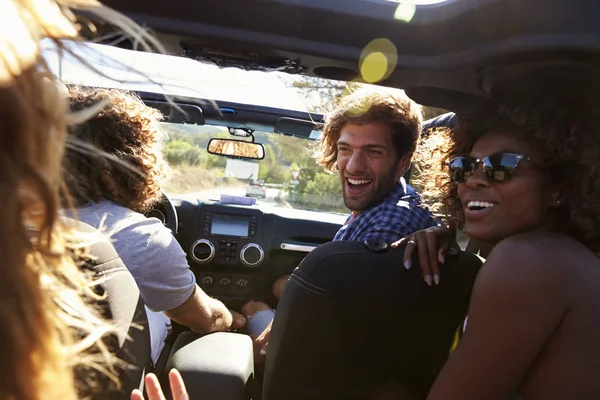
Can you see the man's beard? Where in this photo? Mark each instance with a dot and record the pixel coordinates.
(370, 199)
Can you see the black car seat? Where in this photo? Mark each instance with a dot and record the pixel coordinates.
(352, 318)
(122, 304)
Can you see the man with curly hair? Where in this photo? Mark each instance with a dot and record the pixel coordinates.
(369, 138)
(114, 168)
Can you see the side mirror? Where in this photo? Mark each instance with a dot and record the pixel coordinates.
(236, 149)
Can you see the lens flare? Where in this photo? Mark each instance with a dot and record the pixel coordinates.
(405, 12)
(374, 67)
(378, 60)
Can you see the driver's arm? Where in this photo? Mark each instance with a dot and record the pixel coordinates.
(203, 314)
(160, 268)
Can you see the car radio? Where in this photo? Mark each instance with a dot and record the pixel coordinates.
(229, 225)
(228, 237)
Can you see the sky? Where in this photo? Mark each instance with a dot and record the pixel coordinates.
(129, 69)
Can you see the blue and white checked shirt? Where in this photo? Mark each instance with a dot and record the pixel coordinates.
(399, 214)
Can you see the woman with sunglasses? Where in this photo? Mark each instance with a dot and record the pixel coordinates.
(524, 181)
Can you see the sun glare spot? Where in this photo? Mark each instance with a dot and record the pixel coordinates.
(405, 12)
(378, 60)
(374, 67)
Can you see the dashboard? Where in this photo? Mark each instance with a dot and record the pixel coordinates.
(236, 252)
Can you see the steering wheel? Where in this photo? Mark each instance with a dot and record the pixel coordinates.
(172, 221)
(165, 212)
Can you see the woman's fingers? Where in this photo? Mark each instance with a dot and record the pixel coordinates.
(432, 245)
(154, 391)
(153, 388)
(408, 252)
(424, 258)
(431, 239)
(178, 389)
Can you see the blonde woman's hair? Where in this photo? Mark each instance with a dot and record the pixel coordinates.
(48, 326)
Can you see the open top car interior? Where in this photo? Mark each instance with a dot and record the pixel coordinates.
(246, 230)
(449, 54)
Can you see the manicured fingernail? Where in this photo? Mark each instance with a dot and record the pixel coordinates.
(443, 258)
(428, 279)
(407, 264)
(436, 279)
(263, 351)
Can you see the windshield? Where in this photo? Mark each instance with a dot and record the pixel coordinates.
(288, 177)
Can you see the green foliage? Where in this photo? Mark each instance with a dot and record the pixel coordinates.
(179, 152)
(214, 162)
(270, 170)
(325, 185)
(322, 93)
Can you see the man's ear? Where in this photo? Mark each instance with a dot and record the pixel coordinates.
(403, 165)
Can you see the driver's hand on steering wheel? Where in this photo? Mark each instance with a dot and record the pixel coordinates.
(432, 244)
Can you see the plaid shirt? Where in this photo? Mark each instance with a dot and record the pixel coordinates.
(399, 214)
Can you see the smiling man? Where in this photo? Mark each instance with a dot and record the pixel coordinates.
(370, 138)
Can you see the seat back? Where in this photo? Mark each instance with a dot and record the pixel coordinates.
(352, 318)
(124, 306)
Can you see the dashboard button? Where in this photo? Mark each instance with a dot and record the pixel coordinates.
(242, 282)
(224, 281)
(207, 280)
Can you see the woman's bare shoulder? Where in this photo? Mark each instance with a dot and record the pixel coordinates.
(538, 261)
(541, 249)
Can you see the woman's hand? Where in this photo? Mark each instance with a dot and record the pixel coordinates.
(432, 244)
(178, 391)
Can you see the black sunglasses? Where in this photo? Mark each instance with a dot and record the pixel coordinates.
(497, 167)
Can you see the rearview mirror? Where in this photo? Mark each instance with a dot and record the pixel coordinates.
(236, 149)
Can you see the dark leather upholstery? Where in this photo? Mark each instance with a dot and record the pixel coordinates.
(215, 366)
(124, 306)
(351, 319)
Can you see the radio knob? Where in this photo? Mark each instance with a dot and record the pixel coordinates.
(252, 255)
(203, 251)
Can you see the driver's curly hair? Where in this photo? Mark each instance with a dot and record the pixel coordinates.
(564, 128)
(366, 106)
(117, 154)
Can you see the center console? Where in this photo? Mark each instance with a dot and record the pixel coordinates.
(228, 250)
